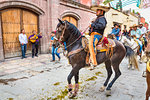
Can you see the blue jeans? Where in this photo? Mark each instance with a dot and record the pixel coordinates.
(54, 51)
(117, 37)
(23, 49)
(140, 44)
(96, 39)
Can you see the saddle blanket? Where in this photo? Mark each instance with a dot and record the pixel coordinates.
(102, 48)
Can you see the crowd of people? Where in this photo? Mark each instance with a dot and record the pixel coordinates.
(138, 32)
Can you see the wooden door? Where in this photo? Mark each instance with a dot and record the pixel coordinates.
(11, 30)
(30, 23)
(71, 20)
(13, 20)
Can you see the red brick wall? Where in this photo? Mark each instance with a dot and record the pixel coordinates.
(86, 2)
(85, 15)
(54, 9)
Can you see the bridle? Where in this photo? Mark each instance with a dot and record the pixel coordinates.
(62, 36)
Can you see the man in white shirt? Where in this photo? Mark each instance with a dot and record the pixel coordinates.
(23, 41)
(143, 31)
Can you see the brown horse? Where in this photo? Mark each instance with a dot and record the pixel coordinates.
(148, 72)
(148, 84)
(67, 32)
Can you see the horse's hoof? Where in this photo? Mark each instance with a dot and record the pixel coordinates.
(140, 62)
(108, 93)
(91, 68)
(128, 67)
(132, 68)
(102, 89)
(72, 95)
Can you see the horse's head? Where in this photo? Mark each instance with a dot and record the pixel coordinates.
(66, 32)
(61, 33)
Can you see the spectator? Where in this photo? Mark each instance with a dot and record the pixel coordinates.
(143, 31)
(115, 31)
(131, 28)
(54, 49)
(34, 39)
(23, 41)
(125, 33)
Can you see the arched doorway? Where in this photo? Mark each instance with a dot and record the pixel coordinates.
(71, 20)
(13, 20)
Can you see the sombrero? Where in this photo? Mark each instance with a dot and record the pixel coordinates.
(135, 25)
(141, 23)
(95, 7)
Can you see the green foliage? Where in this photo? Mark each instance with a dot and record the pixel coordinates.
(133, 11)
(107, 1)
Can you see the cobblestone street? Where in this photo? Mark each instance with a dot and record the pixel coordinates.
(40, 79)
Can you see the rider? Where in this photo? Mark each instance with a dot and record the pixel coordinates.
(136, 33)
(116, 31)
(143, 31)
(97, 30)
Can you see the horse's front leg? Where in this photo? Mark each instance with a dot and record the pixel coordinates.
(74, 72)
(76, 84)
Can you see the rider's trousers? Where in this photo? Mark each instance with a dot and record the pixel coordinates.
(140, 44)
(94, 39)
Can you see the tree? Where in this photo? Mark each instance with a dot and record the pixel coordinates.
(107, 2)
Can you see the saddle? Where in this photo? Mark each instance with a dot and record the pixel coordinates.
(101, 46)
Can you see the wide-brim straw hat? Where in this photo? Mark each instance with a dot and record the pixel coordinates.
(141, 24)
(96, 7)
(135, 25)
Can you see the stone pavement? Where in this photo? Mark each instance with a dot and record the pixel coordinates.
(40, 79)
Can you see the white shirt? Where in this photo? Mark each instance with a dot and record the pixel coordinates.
(23, 38)
(143, 30)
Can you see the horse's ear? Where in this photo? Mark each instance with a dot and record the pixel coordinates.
(60, 21)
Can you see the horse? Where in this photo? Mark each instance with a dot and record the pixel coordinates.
(147, 51)
(134, 48)
(67, 32)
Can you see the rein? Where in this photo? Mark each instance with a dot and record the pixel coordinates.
(61, 37)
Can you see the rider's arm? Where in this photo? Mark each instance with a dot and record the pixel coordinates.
(117, 32)
(140, 34)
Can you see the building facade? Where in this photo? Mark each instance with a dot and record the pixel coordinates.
(39, 15)
(42, 16)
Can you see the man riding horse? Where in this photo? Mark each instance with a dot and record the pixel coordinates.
(136, 33)
(97, 30)
(143, 31)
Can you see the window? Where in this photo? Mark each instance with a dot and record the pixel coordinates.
(71, 20)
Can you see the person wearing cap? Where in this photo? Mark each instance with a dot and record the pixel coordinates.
(97, 30)
(143, 31)
(53, 48)
(136, 33)
(116, 31)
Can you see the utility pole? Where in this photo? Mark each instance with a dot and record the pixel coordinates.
(120, 3)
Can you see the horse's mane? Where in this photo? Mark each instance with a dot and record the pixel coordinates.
(73, 29)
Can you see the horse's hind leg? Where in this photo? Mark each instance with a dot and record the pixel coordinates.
(109, 73)
(117, 74)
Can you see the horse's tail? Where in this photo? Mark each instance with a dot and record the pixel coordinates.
(135, 62)
(130, 53)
